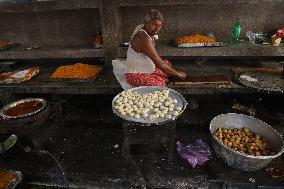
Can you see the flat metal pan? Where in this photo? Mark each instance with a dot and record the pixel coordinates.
(266, 81)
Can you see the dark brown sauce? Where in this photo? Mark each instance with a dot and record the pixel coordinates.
(24, 108)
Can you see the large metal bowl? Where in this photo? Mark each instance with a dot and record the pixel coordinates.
(242, 161)
(13, 104)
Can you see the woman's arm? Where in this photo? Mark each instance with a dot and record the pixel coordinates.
(146, 46)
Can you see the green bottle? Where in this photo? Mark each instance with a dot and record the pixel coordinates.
(236, 31)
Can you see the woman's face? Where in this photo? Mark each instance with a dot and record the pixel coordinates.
(153, 27)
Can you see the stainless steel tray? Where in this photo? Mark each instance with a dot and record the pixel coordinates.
(181, 102)
(15, 181)
(213, 44)
(13, 104)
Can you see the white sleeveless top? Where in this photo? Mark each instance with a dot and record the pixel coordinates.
(135, 62)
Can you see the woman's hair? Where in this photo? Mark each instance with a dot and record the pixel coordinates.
(153, 15)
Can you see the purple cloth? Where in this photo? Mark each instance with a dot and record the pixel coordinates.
(196, 153)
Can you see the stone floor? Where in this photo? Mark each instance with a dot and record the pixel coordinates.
(80, 144)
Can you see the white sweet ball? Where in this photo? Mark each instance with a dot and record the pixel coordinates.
(123, 113)
(175, 113)
(178, 108)
(161, 99)
(175, 101)
(145, 115)
(167, 103)
(131, 114)
(137, 116)
(168, 116)
(171, 106)
(171, 109)
(152, 117)
(162, 115)
(157, 115)
(116, 107)
(165, 111)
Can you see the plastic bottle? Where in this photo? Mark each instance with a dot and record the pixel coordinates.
(236, 31)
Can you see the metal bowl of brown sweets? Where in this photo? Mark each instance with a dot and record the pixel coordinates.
(23, 108)
(244, 142)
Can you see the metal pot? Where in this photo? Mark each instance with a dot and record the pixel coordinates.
(235, 159)
(13, 104)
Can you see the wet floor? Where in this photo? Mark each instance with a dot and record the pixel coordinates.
(79, 145)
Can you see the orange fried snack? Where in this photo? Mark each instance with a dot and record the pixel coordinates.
(77, 70)
(195, 39)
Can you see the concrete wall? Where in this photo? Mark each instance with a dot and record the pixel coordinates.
(51, 28)
(74, 22)
(205, 18)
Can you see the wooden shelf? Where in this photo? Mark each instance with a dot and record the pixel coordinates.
(240, 50)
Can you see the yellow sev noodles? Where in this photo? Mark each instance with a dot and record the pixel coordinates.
(77, 70)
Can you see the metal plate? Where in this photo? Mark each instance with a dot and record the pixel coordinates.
(266, 81)
(13, 104)
(15, 181)
(213, 44)
(181, 102)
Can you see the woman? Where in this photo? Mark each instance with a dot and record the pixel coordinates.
(143, 66)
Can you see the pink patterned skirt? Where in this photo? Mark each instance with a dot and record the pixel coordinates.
(157, 78)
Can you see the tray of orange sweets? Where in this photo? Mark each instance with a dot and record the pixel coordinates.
(77, 72)
(197, 41)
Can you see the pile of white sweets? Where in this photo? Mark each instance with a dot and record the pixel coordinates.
(150, 106)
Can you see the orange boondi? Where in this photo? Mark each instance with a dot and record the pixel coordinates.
(195, 39)
(77, 70)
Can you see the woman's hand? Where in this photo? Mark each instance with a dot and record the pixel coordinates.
(181, 75)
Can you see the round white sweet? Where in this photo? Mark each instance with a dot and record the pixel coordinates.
(175, 113)
(165, 111)
(145, 115)
(137, 116)
(162, 115)
(168, 116)
(178, 108)
(167, 103)
(116, 107)
(152, 117)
